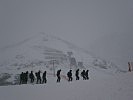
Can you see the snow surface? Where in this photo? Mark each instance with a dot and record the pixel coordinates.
(100, 87)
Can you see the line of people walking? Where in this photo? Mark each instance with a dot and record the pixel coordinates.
(84, 75)
(24, 77)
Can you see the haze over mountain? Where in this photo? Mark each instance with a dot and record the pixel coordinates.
(85, 23)
(106, 80)
(38, 52)
(115, 47)
(103, 28)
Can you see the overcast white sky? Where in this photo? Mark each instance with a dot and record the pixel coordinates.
(103, 27)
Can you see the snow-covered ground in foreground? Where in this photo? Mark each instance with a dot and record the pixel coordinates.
(101, 86)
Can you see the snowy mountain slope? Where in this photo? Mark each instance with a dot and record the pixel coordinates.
(37, 52)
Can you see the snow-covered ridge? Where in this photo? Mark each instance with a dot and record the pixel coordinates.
(37, 52)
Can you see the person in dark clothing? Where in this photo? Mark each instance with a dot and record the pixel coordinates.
(26, 77)
(58, 75)
(77, 74)
(31, 76)
(38, 77)
(86, 74)
(69, 75)
(83, 75)
(44, 77)
(21, 78)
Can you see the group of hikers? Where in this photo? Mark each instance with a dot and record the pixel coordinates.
(24, 77)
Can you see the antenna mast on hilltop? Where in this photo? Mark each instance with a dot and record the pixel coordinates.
(53, 61)
(70, 56)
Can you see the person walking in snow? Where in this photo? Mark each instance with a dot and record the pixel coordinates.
(77, 74)
(38, 77)
(44, 77)
(129, 67)
(58, 75)
(31, 76)
(69, 75)
(86, 74)
(83, 75)
(26, 77)
(21, 78)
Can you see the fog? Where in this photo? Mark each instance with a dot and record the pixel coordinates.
(103, 27)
